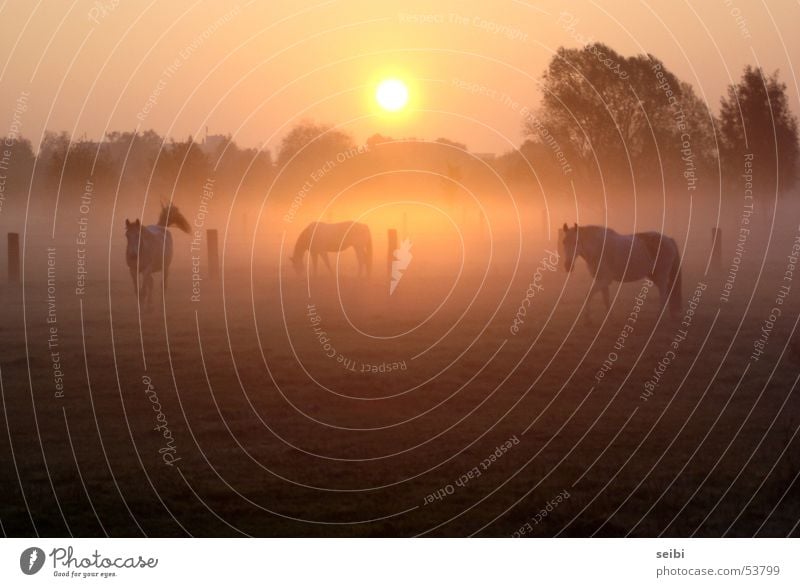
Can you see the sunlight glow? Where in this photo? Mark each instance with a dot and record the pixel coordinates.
(392, 95)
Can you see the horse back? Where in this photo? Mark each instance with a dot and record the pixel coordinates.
(655, 241)
(325, 237)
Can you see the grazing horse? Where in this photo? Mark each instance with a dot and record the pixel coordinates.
(321, 238)
(629, 257)
(150, 250)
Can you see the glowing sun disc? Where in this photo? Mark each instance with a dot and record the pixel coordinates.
(392, 95)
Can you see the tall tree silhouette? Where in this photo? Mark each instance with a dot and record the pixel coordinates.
(610, 116)
(755, 120)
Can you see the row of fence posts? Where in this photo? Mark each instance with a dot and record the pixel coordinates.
(212, 239)
(14, 259)
(14, 256)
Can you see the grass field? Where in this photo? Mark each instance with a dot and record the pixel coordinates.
(375, 415)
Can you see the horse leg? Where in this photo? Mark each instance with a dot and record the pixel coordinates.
(142, 288)
(135, 277)
(363, 261)
(663, 292)
(601, 286)
(327, 262)
(314, 263)
(165, 279)
(587, 317)
(359, 258)
(147, 288)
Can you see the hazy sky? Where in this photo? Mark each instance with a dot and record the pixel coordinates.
(255, 68)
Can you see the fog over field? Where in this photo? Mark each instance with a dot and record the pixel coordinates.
(399, 270)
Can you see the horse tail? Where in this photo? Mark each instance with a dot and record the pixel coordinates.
(171, 216)
(369, 251)
(659, 246)
(676, 281)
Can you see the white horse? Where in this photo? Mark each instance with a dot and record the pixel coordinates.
(630, 257)
(150, 250)
(321, 238)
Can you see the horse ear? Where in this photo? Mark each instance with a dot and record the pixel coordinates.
(576, 226)
(566, 228)
(127, 223)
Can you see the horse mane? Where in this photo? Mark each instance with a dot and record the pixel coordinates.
(593, 231)
(589, 233)
(171, 216)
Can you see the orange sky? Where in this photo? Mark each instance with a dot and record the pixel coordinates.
(254, 68)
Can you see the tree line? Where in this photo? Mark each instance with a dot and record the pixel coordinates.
(628, 122)
(605, 124)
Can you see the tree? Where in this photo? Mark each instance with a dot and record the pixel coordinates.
(312, 143)
(610, 116)
(756, 122)
(16, 160)
(181, 167)
(240, 169)
(69, 164)
(133, 154)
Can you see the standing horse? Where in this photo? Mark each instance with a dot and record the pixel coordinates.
(321, 238)
(616, 257)
(150, 250)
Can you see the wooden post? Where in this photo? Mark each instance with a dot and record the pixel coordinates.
(213, 254)
(716, 247)
(13, 257)
(392, 247)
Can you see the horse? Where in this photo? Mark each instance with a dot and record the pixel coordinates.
(321, 238)
(150, 250)
(616, 257)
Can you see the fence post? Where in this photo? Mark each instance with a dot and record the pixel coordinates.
(392, 247)
(716, 247)
(213, 254)
(13, 257)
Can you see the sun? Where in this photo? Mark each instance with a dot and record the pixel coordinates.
(391, 95)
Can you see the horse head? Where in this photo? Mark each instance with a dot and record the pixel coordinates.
(133, 232)
(570, 245)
